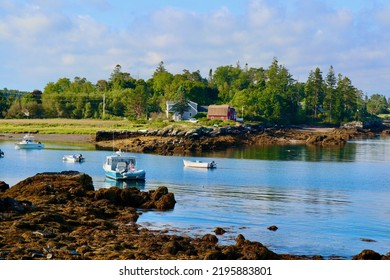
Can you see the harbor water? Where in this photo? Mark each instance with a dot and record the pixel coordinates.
(328, 201)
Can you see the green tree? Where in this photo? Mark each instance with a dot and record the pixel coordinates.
(181, 104)
(137, 101)
(227, 80)
(25, 107)
(160, 68)
(329, 99)
(314, 91)
(5, 103)
(278, 101)
(347, 99)
(377, 104)
(88, 111)
(121, 80)
(159, 84)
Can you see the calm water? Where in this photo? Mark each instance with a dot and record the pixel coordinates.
(323, 200)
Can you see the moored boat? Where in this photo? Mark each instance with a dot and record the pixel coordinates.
(199, 164)
(120, 167)
(1, 153)
(73, 158)
(28, 142)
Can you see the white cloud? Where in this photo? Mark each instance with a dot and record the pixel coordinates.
(68, 59)
(50, 42)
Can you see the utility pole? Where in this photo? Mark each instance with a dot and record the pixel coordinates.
(104, 105)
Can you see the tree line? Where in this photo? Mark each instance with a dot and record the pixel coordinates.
(269, 95)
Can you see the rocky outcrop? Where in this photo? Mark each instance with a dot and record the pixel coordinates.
(171, 140)
(52, 187)
(172, 131)
(159, 199)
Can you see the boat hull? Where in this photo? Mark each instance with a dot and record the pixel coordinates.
(29, 146)
(134, 175)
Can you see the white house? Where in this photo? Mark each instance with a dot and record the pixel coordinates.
(190, 113)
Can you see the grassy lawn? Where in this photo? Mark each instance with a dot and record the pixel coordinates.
(72, 126)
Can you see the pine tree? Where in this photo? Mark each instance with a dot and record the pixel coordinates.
(330, 86)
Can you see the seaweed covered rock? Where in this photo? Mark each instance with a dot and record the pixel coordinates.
(3, 186)
(367, 255)
(54, 187)
(159, 199)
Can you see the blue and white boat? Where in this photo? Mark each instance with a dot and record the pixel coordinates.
(119, 167)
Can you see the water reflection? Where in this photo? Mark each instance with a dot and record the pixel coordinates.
(322, 198)
(291, 153)
(108, 183)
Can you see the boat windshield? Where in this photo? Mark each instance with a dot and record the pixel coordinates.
(115, 161)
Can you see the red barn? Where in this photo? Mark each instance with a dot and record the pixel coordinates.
(221, 112)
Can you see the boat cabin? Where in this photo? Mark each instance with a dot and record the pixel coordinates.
(121, 163)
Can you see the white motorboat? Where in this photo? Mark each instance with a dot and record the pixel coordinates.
(28, 142)
(199, 164)
(73, 158)
(119, 167)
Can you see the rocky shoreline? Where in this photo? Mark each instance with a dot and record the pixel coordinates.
(61, 216)
(176, 141)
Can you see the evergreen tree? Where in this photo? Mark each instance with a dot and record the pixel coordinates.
(330, 86)
(314, 91)
(181, 104)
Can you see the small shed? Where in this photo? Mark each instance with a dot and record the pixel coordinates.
(221, 112)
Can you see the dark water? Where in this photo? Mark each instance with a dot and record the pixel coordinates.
(325, 201)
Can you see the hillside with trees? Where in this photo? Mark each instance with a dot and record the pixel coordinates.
(269, 95)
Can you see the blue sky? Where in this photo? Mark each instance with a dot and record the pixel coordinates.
(44, 40)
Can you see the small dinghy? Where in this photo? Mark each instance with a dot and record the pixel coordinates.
(199, 164)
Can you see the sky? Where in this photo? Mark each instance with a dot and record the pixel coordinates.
(42, 41)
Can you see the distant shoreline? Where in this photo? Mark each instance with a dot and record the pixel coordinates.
(173, 140)
(72, 138)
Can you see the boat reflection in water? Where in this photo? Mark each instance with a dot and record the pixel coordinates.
(123, 184)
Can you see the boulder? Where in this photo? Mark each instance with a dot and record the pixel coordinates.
(159, 199)
(210, 238)
(219, 231)
(367, 255)
(166, 202)
(171, 247)
(257, 251)
(272, 228)
(3, 186)
(52, 187)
